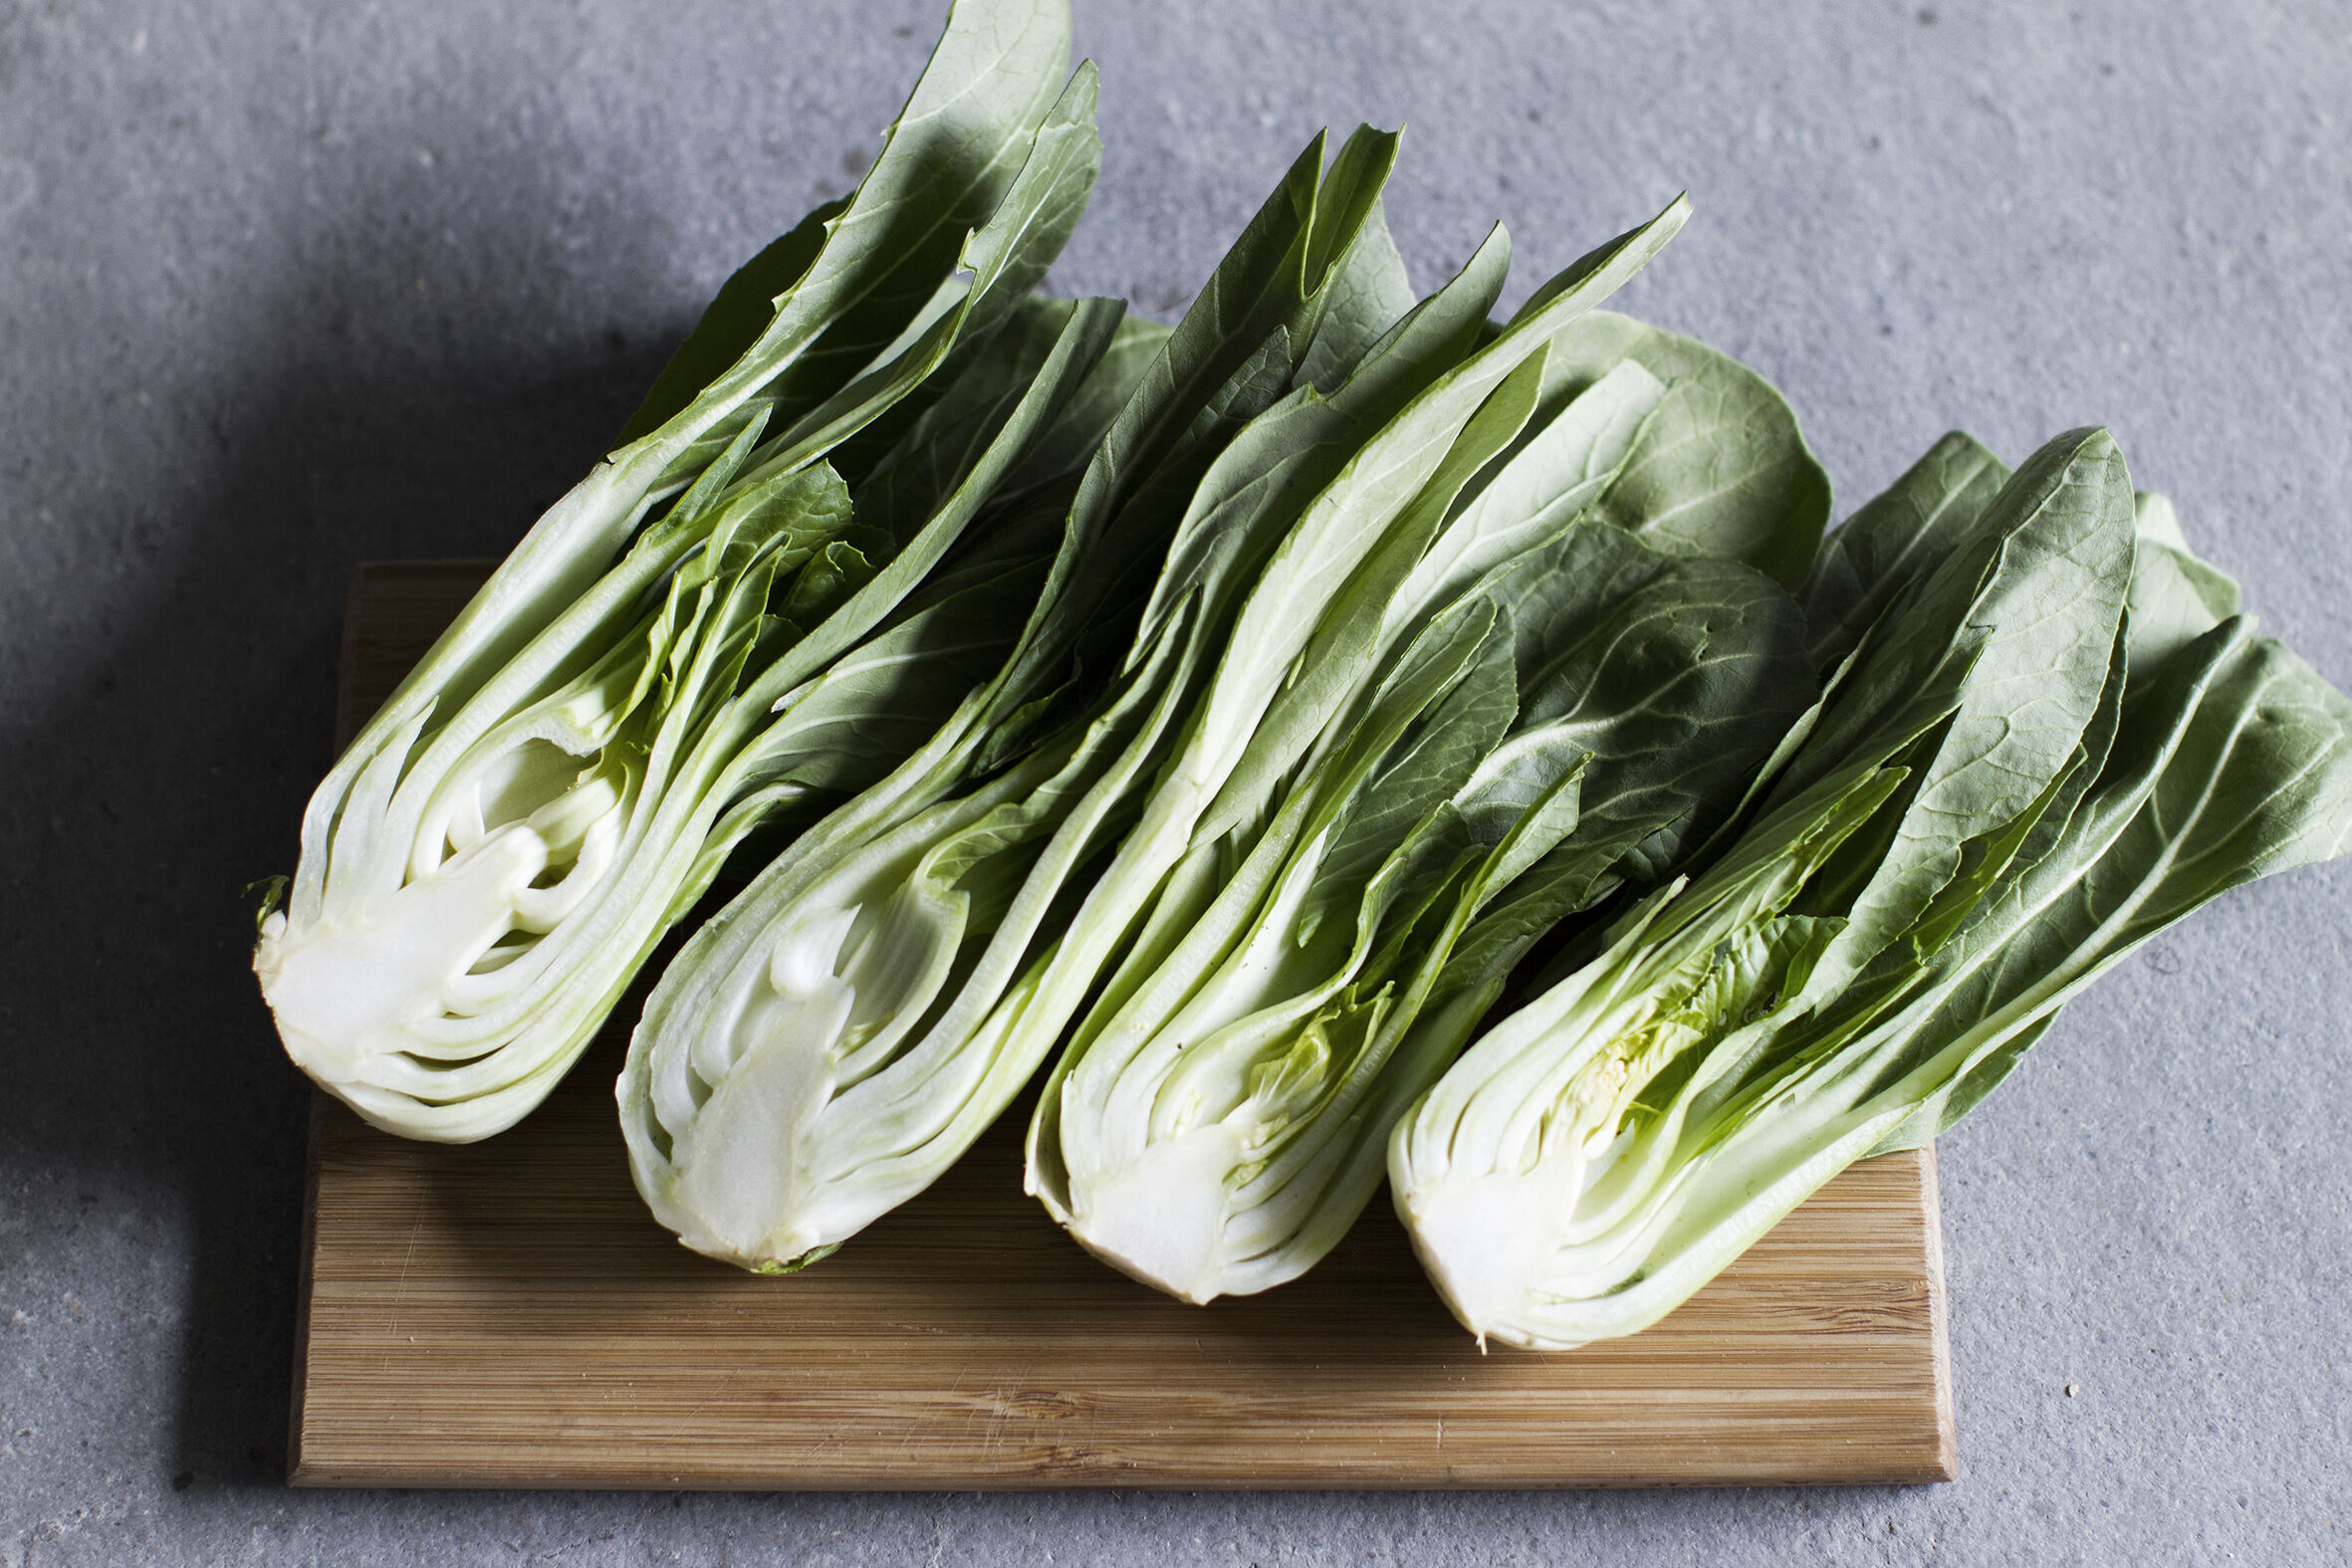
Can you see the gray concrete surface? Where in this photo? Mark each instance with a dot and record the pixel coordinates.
(290, 283)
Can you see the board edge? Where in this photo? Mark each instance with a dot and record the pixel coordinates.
(298, 1399)
(1931, 1202)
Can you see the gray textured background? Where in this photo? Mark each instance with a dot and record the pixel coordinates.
(288, 284)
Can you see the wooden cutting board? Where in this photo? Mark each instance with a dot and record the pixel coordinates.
(506, 1314)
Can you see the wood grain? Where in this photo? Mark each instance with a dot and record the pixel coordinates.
(506, 1314)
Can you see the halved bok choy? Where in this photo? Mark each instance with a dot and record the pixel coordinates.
(767, 596)
(811, 1059)
(1960, 842)
(1576, 708)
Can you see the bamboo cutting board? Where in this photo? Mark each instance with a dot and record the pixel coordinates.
(506, 1314)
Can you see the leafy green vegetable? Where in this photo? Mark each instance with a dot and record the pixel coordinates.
(1574, 708)
(1959, 842)
(822, 1049)
(638, 686)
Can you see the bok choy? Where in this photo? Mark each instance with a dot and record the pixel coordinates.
(1576, 708)
(769, 594)
(2050, 736)
(824, 1048)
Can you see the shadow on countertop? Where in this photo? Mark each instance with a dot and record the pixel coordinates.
(154, 787)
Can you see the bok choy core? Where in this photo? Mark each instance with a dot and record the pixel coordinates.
(2049, 740)
(765, 599)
